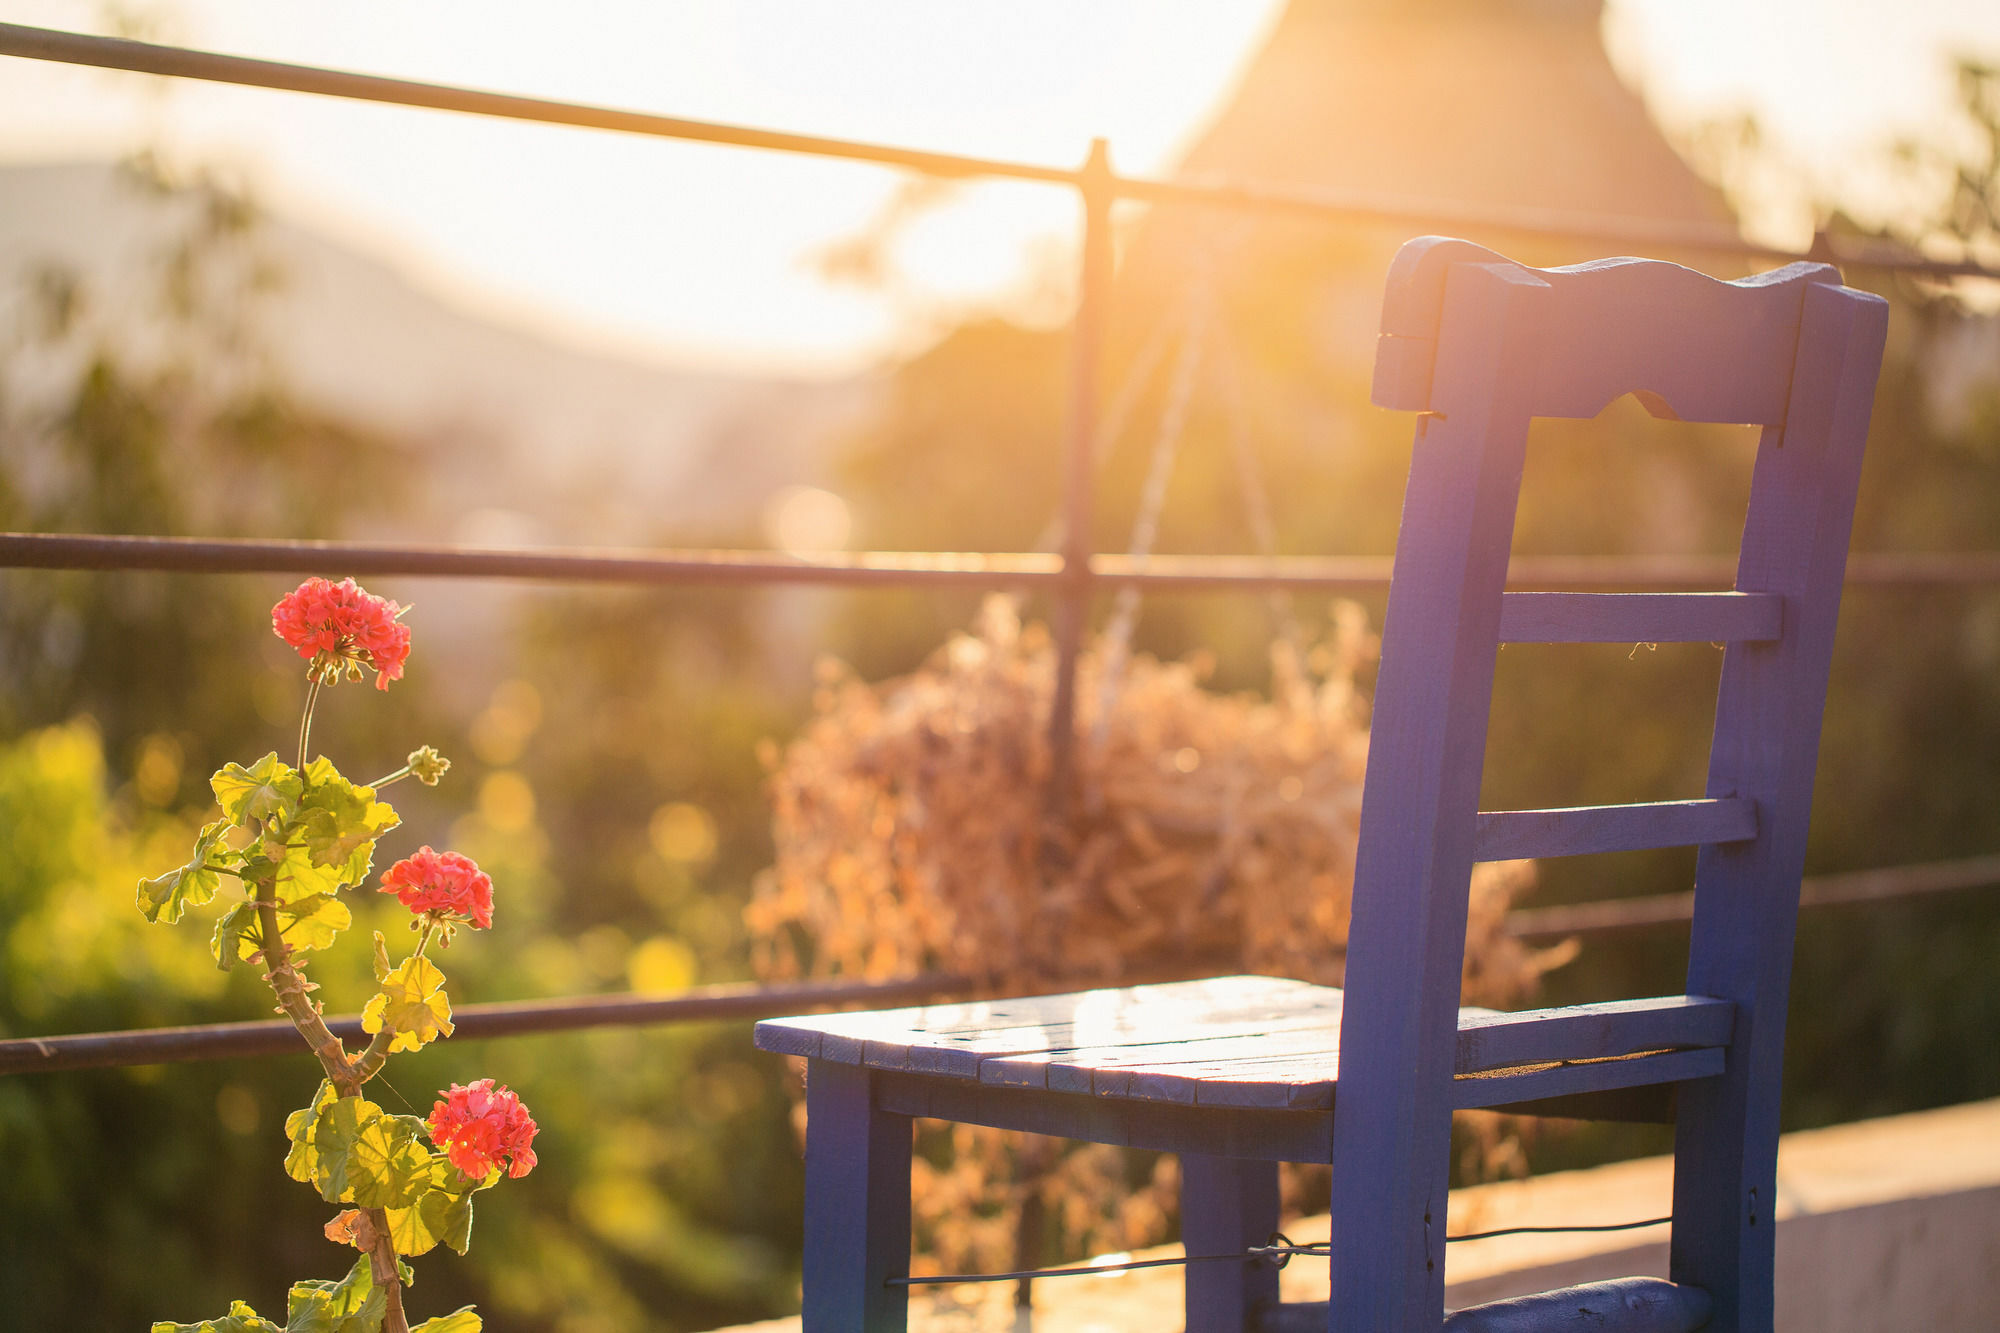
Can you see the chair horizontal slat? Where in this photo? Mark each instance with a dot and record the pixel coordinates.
(1591, 1031)
(1622, 1305)
(1640, 617)
(1513, 835)
(1472, 1091)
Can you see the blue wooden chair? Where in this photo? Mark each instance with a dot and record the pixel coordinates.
(1237, 1074)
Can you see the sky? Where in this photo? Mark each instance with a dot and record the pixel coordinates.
(706, 256)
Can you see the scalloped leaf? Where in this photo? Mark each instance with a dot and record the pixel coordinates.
(240, 1319)
(302, 1159)
(352, 1151)
(238, 936)
(267, 792)
(352, 1304)
(313, 922)
(164, 899)
(458, 1321)
(442, 1213)
(338, 822)
(411, 1004)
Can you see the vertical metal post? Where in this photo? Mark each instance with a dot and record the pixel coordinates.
(1097, 185)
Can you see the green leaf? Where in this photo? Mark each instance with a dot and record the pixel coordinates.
(458, 1321)
(267, 792)
(313, 922)
(411, 1004)
(351, 1151)
(443, 1213)
(238, 936)
(165, 898)
(302, 1160)
(340, 822)
(240, 1319)
(351, 1305)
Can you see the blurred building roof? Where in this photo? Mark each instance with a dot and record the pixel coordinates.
(1508, 102)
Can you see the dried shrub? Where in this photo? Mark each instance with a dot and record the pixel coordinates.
(1211, 833)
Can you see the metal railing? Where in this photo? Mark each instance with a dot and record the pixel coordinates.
(1071, 576)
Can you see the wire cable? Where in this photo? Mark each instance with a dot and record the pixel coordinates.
(1279, 1251)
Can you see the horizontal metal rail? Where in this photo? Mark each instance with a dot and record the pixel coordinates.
(976, 569)
(1854, 888)
(1640, 235)
(230, 1041)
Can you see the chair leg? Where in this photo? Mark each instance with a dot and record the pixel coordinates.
(1725, 1180)
(857, 1205)
(1227, 1203)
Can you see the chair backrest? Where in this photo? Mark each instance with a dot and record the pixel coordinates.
(1479, 345)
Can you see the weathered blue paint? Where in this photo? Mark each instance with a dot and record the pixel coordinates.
(1639, 617)
(1766, 746)
(1227, 1205)
(857, 1205)
(1248, 1068)
(1624, 1305)
(1516, 835)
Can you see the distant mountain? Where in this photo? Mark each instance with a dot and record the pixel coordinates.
(533, 440)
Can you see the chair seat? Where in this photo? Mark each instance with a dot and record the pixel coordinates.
(1222, 1041)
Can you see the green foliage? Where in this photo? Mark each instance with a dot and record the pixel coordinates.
(240, 1319)
(441, 1214)
(411, 1004)
(352, 1151)
(238, 936)
(315, 835)
(165, 898)
(353, 1304)
(264, 796)
(339, 822)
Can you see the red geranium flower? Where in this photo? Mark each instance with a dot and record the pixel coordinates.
(332, 624)
(480, 1126)
(445, 884)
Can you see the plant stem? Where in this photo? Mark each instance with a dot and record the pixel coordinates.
(290, 987)
(382, 1263)
(401, 773)
(305, 722)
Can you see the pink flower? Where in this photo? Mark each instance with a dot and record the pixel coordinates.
(338, 623)
(480, 1126)
(445, 884)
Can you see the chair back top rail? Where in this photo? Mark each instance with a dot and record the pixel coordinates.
(1688, 346)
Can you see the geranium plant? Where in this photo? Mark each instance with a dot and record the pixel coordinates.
(290, 841)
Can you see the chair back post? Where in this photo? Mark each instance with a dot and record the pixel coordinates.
(1766, 745)
(1406, 943)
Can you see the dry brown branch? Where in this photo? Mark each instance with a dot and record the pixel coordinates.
(1212, 833)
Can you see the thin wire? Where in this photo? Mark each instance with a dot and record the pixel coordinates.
(384, 1081)
(1540, 1231)
(1281, 1251)
(1032, 1273)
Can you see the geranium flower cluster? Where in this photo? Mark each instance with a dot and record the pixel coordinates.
(447, 885)
(480, 1126)
(339, 624)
